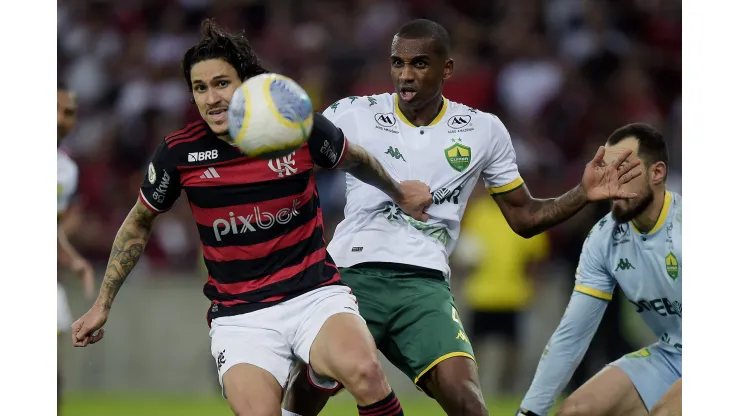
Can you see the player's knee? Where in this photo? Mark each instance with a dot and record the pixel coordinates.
(576, 405)
(365, 378)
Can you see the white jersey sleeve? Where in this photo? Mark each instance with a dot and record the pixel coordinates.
(592, 275)
(67, 176)
(501, 173)
(343, 115)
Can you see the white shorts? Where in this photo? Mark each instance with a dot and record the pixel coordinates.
(64, 316)
(274, 337)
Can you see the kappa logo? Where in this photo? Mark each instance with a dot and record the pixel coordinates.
(283, 166)
(201, 156)
(458, 122)
(385, 119)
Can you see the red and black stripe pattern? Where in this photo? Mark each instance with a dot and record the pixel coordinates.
(259, 221)
(390, 406)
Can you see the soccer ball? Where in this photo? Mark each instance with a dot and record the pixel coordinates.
(270, 115)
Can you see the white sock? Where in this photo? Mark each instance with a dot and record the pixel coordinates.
(287, 413)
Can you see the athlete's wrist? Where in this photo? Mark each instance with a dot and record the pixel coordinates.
(525, 412)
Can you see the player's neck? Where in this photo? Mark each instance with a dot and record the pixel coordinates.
(647, 220)
(424, 115)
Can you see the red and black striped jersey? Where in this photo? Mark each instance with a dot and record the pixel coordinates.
(259, 221)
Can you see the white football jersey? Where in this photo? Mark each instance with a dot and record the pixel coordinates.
(67, 173)
(449, 155)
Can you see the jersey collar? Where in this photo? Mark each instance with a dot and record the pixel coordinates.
(661, 218)
(445, 104)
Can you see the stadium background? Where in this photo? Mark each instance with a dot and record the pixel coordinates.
(561, 74)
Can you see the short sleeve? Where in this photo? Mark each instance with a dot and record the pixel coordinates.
(161, 185)
(501, 174)
(592, 276)
(327, 143)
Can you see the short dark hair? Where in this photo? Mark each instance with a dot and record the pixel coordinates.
(652, 147)
(427, 29)
(217, 43)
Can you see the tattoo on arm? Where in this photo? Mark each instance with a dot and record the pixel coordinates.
(127, 249)
(528, 216)
(362, 165)
(547, 213)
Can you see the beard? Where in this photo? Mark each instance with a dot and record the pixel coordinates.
(634, 208)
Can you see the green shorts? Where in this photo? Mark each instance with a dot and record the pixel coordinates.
(411, 313)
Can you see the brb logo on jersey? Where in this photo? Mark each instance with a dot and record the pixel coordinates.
(201, 156)
(254, 220)
(283, 166)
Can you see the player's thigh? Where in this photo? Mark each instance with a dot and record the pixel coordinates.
(333, 338)
(609, 392)
(251, 390)
(254, 346)
(670, 403)
(425, 328)
(305, 395)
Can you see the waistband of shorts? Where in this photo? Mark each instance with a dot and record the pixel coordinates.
(401, 270)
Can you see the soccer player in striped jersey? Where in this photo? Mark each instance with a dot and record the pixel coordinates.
(67, 256)
(638, 247)
(276, 295)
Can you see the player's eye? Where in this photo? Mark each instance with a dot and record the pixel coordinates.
(199, 88)
(223, 83)
(397, 63)
(420, 65)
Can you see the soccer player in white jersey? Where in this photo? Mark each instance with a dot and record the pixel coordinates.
(397, 266)
(638, 247)
(67, 256)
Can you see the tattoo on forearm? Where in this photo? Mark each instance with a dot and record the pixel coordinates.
(365, 167)
(546, 213)
(127, 249)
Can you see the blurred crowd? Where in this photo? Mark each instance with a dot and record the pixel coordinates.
(561, 74)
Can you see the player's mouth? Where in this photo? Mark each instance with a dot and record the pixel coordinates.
(217, 114)
(407, 94)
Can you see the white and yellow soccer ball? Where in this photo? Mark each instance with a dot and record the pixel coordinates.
(270, 115)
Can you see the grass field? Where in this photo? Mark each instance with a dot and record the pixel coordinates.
(108, 405)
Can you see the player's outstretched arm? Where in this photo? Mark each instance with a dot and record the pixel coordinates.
(330, 149)
(412, 196)
(563, 353)
(529, 216)
(126, 252)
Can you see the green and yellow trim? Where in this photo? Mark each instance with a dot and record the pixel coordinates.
(442, 358)
(593, 292)
(440, 115)
(497, 190)
(661, 218)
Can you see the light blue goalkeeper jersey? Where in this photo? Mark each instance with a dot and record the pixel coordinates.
(646, 266)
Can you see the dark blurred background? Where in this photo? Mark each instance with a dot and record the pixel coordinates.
(561, 74)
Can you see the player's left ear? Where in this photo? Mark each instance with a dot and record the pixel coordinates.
(658, 172)
(447, 71)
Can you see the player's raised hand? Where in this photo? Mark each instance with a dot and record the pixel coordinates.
(84, 329)
(606, 180)
(415, 199)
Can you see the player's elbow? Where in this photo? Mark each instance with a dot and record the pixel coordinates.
(524, 230)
